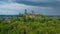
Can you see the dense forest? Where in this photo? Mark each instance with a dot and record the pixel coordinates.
(30, 25)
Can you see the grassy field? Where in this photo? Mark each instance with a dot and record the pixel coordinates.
(28, 25)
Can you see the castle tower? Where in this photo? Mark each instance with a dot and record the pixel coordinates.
(25, 12)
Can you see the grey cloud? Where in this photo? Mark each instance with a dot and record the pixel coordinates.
(55, 4)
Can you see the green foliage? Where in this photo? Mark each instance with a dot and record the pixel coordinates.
(30, 25)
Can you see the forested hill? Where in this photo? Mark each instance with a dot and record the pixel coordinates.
(30, 25)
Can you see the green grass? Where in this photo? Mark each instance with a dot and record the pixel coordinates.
(27, 25)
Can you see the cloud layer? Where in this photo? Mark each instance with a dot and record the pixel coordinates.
(46, 7)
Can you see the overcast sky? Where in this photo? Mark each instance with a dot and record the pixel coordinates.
(46, 7)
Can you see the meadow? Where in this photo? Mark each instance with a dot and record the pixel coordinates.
(30, 25)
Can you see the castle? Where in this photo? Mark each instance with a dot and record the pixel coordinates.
(26, 14)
